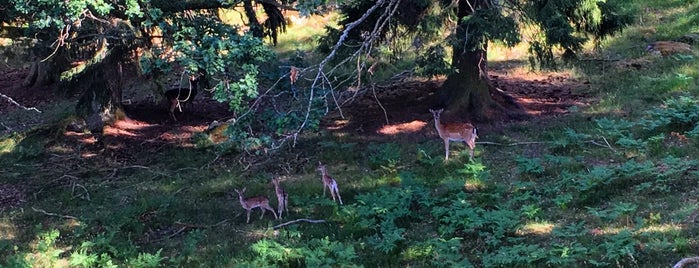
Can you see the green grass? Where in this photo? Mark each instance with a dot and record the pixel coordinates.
(613, 184)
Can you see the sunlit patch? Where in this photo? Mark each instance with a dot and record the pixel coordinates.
(88, 155)
(536, 228)
(82, 137)
(131, 124)
(110, 131)
(662, 228)
(8, 145)
(339, 124)
(410, 127)
(72, 223)
(8, 231)
(473, 184)
(60, 149)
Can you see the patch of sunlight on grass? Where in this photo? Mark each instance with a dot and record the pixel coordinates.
(536, 228)
(8, 145)
(418, 252)
(499, 52)
(661, 228)
(8, 231)
(303, 32)
(670, 228)
(474, 184)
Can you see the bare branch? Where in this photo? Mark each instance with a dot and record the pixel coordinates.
(330, 56)
(9, 99)
(686, 262)
(54, 214)
(297, 221)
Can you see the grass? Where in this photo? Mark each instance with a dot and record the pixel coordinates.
(613, 184)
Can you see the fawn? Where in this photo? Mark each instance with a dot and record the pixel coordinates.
(282, 197)
(455, 132)
(178, 95)
(329, 183)
(254, 202)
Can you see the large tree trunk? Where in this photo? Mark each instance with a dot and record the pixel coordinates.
(467, 92)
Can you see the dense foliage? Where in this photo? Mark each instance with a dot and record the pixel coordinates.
(185, 37)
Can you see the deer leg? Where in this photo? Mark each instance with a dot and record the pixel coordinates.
(338, 195)
(263, 212)
(471, 145)
(173, 105)
(446, 149)
(248, 221)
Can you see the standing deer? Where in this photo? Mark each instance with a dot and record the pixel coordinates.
(282, 197)
(178, 95)
(455, 132)
(254, 202)
(329, 183)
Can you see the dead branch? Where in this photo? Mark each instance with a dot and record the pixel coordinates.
(86, 195)
(54, 214)
(686, 261)
(512, 144)
(327, 59)
(297, 221)
(385, 114)
(9, 99)
(199, 226)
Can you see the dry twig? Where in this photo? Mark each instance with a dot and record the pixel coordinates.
(9, 99)
(297, 221)
(54, 214)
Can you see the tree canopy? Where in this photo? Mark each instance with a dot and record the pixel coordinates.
(158, 34)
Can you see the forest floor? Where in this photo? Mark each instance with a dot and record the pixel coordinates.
(396, 111)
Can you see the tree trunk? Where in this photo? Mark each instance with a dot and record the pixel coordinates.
(45, 72)
(101, 84)
(467, 92)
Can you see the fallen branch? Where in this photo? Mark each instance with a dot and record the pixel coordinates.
(19, 105)
(184, 227)
(54, 214)
(511, 144)
(199, 226)
(686, 261)
(297, 221)
(176, 233)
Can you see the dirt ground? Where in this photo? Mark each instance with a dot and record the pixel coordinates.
(396, 108)
(399, 111)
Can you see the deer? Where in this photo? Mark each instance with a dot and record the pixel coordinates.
(254, 202)
(329, 183)
(282, 197)
(455, 132)
(178, 95)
